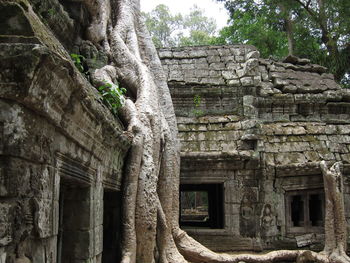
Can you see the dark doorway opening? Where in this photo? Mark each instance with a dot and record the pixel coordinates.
(74, 224)
(111, 227)
(316, 209)
(201, 205)
(297, 210)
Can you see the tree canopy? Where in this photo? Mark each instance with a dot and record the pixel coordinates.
(314, 29)
(169, 29)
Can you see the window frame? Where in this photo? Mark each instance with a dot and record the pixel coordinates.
(305, 196)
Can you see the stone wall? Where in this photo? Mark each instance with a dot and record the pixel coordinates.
(61, 150)
(260, 129)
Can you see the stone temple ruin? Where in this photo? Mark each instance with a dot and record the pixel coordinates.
(252, 134)
(251, 146)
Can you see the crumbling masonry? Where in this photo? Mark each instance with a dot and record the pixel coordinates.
(251, 143)
(253, 132)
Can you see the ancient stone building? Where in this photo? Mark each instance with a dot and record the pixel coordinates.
(252, 134)
(61, 150)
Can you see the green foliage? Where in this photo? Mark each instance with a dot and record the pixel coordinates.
(197, 102)
(51, 11)
(78, 61)
(112, 96)
(169, 30)
(162, 24)
(318, 30)
(251, 28)
(79, 64)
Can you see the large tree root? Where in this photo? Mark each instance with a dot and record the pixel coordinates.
(151, 181)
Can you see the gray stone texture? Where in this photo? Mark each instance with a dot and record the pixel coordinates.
(55, 133)
(261, 131)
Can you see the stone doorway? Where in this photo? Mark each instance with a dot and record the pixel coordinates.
(111, 226)
(74, 230)
(201, 206)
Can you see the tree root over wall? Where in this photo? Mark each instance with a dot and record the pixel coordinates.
(151, 182)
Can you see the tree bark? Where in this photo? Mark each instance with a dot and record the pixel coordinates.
(151, 231)
(287, 17)
(335, 223)
(329, 39)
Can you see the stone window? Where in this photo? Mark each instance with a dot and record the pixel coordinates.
(305, 211)
(201, 205)
(248, 145)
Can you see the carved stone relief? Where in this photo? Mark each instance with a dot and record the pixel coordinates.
(247, 215)
(268, 222)
(5, 225)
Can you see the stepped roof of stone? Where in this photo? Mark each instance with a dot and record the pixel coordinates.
(241, 66)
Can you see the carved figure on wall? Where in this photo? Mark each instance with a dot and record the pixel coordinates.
(246, 208)
(247, 218)
(21, 257)
(268, 222)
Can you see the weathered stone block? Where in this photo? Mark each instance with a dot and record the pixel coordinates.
(250, 65)
(253, 54)
(213, 59)
(269, 159)
(175, 75)
(185, 61)
(248, 124)
(240, 58)
(217, 66)
(224, 51)
(234, 82)
(289, 158)
(312, 156)
(345, 157)
(214, 81)
(326, 155)
(228, 74)
(247, 81)
(165, 54)
(98, 238)
(344, 129)
(212, 52)
(201, 73)
(180, 54)
(232, 66)
(98, 205)
(228, 146)
(197, 53)
(44, 217)
(187, 67)
(238, 50)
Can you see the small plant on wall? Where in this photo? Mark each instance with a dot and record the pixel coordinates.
(112, 96)
(197, 102)
(78, 61)
(79, 64)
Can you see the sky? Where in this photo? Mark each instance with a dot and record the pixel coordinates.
(211, 8)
